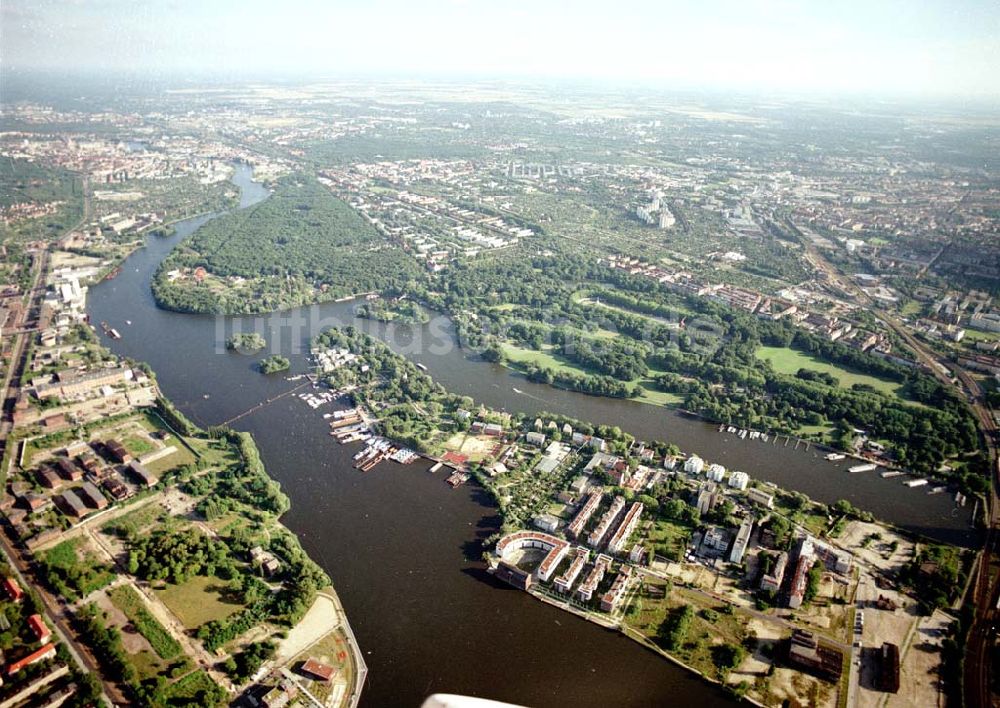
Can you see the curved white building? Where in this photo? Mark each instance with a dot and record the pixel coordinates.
(556, 547)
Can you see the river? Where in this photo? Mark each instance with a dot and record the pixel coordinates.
(401, 547)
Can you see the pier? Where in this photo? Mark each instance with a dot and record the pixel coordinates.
(260, 405)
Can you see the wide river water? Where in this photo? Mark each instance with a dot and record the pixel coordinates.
(402, 548)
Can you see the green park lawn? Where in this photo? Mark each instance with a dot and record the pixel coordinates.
(197, 601)
(786, 360)
(545, 357)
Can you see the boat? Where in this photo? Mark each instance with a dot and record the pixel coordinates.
(128, 322)
(421, 366)
(457, 479)
(834, 456)
(862, 468)
(114, 334)
(937, 490)
(889, 474)
(915, 482)
(516, 389)
(404, 456)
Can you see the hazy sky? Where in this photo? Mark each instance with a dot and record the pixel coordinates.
(898, 46)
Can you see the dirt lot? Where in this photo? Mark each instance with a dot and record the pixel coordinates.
(919, 640)
(828, 613)
(177, 503)
(475, 447)
(132, 641)
(921, 663)
(784, 684)
(320, 620)
(878, 553)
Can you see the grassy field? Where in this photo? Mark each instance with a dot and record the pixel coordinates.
(194, 688)
(585, 298)
(127, 599)
(657, 398)
(138, 445)
(668, 539)
(648, 613)
(81, 572)
(180, 458)
(544, 357)
(786, 360)
(334, 651)
(197, 601)
(975, 335)
(135, 521)
(64, 555)
(475, 447)
(911, 308)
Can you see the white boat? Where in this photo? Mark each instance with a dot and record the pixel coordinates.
(421, 366)
(834, 456)
(915, 482)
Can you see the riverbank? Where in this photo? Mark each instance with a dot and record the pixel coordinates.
(378, 533)
(641, 639)
(344, 635)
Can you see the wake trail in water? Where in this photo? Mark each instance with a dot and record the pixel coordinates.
(530, 395)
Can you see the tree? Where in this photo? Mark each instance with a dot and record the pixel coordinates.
(727, 657)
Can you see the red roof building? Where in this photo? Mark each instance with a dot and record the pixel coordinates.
(13, 590)
(315, 670)
(39, 628)
(45, 652)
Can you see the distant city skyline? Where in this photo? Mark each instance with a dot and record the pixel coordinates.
(893, 47)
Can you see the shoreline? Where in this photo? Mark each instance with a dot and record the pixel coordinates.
(623, 629)
(361, 668)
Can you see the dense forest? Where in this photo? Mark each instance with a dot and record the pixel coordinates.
(300, 245)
